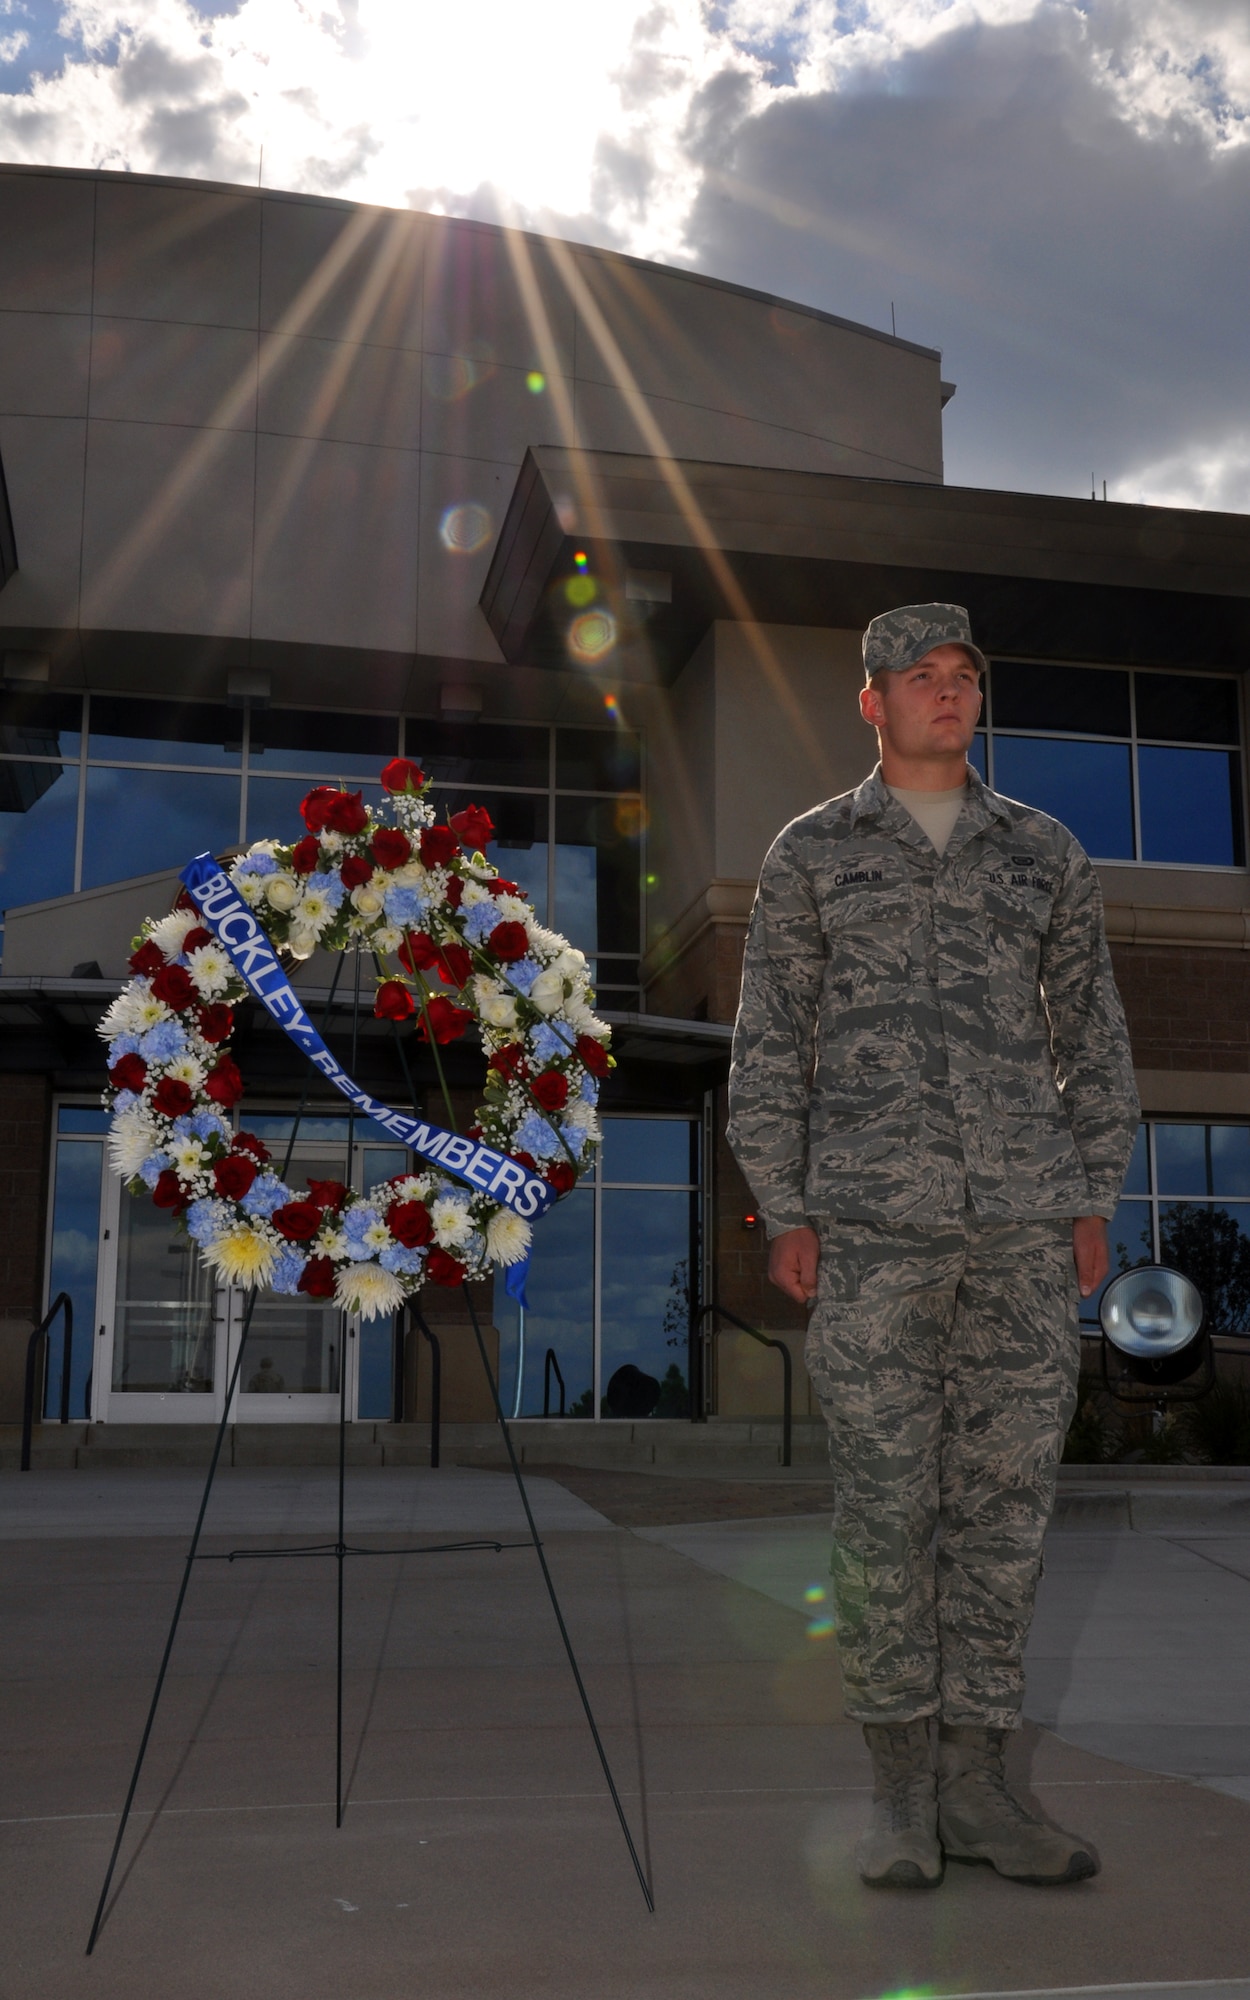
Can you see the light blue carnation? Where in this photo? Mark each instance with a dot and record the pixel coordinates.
(288, 1271)
(153, 1167)
(523, 974)
(589, 1092)
(358, 1220)
(480, 921)
(548, 1041)
(535, 1137)
(209, 1125)
(256, 864)
(207, 1220)
(122, 1045)
(405, 906)
(265, 1194)
(406, 1263)
(574, 1138)
(124, 1099)
(329, 886)
(161, 1043)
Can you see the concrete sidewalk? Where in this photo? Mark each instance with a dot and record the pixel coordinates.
(479, 1855)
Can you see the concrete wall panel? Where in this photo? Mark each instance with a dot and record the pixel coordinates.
(148, 371)
(337, 389)
(167, 528)
(477, 410)
(44, 363)
(177, 253)
(46, 225)
(336, 544)
(499, 298)
(342, 273)
(43, 468)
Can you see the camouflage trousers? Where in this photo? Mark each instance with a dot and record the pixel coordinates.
(945, 1360)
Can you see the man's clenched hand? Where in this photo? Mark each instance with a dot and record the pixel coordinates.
(792, 1260)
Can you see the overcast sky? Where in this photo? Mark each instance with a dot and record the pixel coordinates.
(1054, 192)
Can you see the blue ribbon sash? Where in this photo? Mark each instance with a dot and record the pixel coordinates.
(237, 930)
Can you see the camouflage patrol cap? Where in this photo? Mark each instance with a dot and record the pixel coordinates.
(897, 639)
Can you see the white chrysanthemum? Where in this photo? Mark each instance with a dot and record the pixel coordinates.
(124, 1016)
(188, 1156)
(282, 892)
(171, 930)
(387, 938)
(507, 1238)
(544, 944)
(581, 1015)
(583, 1117)
(131, 1139)
(453, 1224)
(513, 909)
(331, 841)
(368, 1290)
(499, 1011)
(547, 992)
(185, 1069)
(211, 970)
(413, 1187)
(242, 1257)
(367, 900)
(251, 888)
(473, 893)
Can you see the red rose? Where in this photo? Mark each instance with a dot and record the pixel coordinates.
(500, 887)
(510, 1062)
(438, 844)
(216, 1023)
(354, 871)
(170, 1193)
(509, 942)
(298, 1221)
(223, 1083)
(444, 1020)
(551, 1090)
(128, 1073)
(315, 808)
(442, 1269)
(474, 825)
(418, 951)
(305, 854)
(317, 1278)
(184, 900)
(174, 985)
(473, 1132)
(234, 1175)
(195, 938)
(148, 958)
(346, 813)
(394, 1002)
(454, 964)
(455, 890)
(402, 775)
(327, 1194)
(409, 1223)
(593, 1054)
(527, 1161)
(561, 1176)
(391, 848)
(172, 1097)
(247, 1142)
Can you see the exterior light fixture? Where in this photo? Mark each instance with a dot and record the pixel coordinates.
(1155, 1320)
(750, 1221)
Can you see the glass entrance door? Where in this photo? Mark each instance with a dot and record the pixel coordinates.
(295, 1346)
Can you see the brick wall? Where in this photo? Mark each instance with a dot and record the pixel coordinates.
(1187, 1010)
(24, 1110)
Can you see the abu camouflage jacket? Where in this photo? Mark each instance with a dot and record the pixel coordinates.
(918, 1034)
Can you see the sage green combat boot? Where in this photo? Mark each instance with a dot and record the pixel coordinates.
(900, 1849)
(980, 1820)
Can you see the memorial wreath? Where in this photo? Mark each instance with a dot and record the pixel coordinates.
(408, 889)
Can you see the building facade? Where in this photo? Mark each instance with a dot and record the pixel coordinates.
(291, 486)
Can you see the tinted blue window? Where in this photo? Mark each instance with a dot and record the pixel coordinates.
(1190, 806)
(976, 755)
(80, 1118)
(648, 1149)
(1086, 785)
(645, 1302)
(1182, 1163)
(326, 1127)
(1230, 1159)
(1137, 1179)
(38, 824)
(1210, 1243)
(273, 805)
(142, 821)
(561, 1314)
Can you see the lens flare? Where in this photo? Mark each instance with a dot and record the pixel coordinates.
(535, 382)
(580, 559)
(452, 377)
(630, 818)
(814, 1594)
(612, 703)
(466, 528)
(821, 1628)
(581, 590)
(592, 637)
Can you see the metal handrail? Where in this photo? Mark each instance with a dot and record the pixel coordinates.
(62, 1299)
(787, 1366)
(549, 1363)
(436, 1385)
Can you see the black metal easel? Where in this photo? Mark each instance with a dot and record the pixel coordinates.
(340, 1549)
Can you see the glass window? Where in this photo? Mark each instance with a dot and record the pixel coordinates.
(561, 1315)
(1085, 701)
(165, 732)
(478, 753)
(1191, 806)
(1211, 1245)
(306, 739)
(273, 805)
(1137, 1179)
(164, 1340)
(76, 1185)
(142, 821)
(977, 757)
(1186, 708)
(1085, 785)
(645, 1303)
(598, 760)
(1203, 1159)
(38, 831)
(41, 725)
(316, 1127)
(81, 1118)
(519, 849)
(597, 871)
(650, 1150)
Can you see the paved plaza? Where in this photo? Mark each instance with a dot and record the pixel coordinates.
(479, 1855)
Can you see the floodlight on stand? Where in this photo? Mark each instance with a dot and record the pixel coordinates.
(1155, 1320)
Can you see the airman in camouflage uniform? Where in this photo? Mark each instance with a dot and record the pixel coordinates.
(932, 1071)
